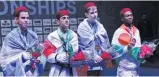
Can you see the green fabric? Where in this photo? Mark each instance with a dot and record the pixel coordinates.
(118, 49)
(66, 45)
(134, 53)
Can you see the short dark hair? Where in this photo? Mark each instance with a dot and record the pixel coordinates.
(86, 10)
(121, 15)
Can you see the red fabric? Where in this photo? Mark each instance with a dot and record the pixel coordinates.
(124, 10)
(19, 9)
(48, 48)
(105, 56)
(36, 54)
(89, 4)
(33, 66)
(132, 27)
(124, 39)
(61, 13)
(82, 71)
(79, 56)
(145, 50)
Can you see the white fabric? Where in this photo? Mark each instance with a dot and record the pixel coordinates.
(62, 57)
(56, 41)
(14, 46)
(126, 61)
(27, 55)
(87, 36)
(120, 31)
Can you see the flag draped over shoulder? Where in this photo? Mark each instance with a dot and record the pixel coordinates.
(15, 44)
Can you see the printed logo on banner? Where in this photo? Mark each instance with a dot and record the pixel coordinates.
(45, 36)
(38, 30)
(5, 31)
(54, 22)
(30, 28)
(54, 28)
(80, 20)
(46, 21)
(37, 22)
(2, 38)
(14, 28)
(5, 23)
(47, 29)
(40, 37)
(14, 25)
(73, 27)
(73, 21)
(30, 22)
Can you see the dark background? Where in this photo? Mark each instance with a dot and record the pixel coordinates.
(108, 12)
(108, 15)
